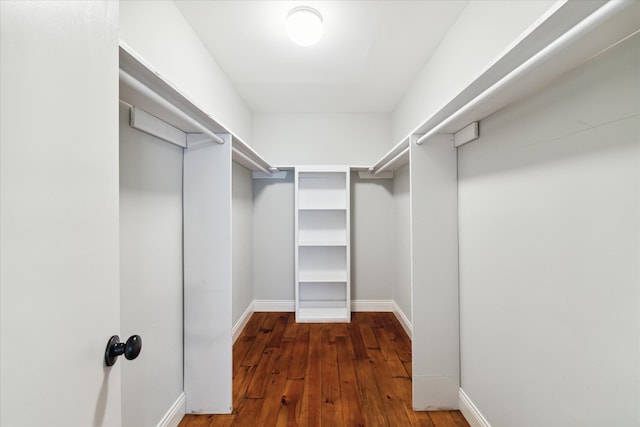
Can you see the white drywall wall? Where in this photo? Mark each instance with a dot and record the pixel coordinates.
(158, 32)
(242, 239)
(371, 238)
(273, 239)
(150, 273)
(549, 202)
(317, 139)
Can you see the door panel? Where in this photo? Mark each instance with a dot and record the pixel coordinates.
(151, 273)
(59, 247)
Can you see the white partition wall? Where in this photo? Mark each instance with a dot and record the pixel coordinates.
(207, 280)
(434, 273)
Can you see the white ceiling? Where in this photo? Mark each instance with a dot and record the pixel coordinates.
(369, 54)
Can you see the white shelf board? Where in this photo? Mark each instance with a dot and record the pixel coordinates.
(132, 64)
(310, 207)
(322, 243)
(570, 35)
(325, 314)
(322, 276)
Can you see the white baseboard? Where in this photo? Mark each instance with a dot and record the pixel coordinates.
(371, 305)
(403, 319)
(242, 322)
(274, 305)
(175, 414)
(470, 411)
(289, 305)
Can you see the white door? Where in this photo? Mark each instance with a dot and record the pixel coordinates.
(59, 274)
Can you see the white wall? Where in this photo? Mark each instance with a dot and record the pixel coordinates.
(401, 283)
(371, 238)
(273, 239)
(242, 243)
(150, 273)
(295, 139)
(59, 291)
(316, 139)
(549, 200)
(158, 32)
(483, 31)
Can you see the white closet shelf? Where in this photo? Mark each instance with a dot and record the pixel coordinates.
(570, 34)
(323, 243)
(322, 314)
(146, 89)
(322, 276)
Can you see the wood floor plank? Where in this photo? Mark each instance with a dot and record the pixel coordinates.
(248, 413)
(368, 337)
(257, 348)
(392, 404)
(399, 338)
(223, 420)
(290, 374)
(291, 329)
(299, 357)
(459, 419)
(254, 324)
(274, 391)
(349, 392)
(369, 394)
(240, 383)
(290, 403)
(240, 349)
(331, 404)
(261, 375)
(408, 366)
(359, 349)
(312, 392)
(442, 419)
(278, 330)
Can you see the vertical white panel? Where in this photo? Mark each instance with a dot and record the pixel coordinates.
(150, 273)
(207, 278)
(434, 273)
(59, 291)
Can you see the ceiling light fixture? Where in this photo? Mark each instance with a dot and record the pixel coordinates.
(304, 25)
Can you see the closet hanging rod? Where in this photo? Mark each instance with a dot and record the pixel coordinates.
(132, 82)
(391, 163)
(249, 160)
(246, 149)
(590, 23)
(390, 155)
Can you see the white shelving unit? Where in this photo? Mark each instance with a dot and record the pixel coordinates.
(322, 288)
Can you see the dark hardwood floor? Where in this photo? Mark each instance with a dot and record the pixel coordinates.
(323, 374)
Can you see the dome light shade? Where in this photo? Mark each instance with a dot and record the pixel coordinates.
(304, 25)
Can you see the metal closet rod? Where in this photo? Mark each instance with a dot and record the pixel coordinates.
(250, 160)
(149, 93)
(588, 24)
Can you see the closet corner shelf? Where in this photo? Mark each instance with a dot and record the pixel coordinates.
(145, 88)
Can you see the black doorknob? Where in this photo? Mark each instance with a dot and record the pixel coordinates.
(130, 349)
